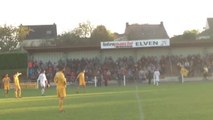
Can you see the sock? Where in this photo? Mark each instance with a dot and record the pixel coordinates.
(61, 105)
(16, 94)
(19, 93)
(42, 91)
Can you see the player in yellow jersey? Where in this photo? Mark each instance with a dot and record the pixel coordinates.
(17, 86)
(61, 83)
(6, 83)
(183, 72)
(82, 81)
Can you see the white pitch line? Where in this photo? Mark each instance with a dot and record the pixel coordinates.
(139, 104)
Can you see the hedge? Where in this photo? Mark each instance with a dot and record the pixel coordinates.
(15, 60)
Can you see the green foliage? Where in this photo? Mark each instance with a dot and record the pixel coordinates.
(188, 35)
(13, 61)
(22, 32)
(100, 33)
(83, 30)
(8, 41)
(83, 35)
(66, 38)
(176, 38)
(10, 36)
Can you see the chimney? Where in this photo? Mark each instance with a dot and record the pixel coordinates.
(127, 24)
(161, 23)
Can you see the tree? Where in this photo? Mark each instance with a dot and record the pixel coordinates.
(100, 33)
(22, 32)
(187, 35)
(190, 34)
(11, 36)
(67, 38)
(83, 30)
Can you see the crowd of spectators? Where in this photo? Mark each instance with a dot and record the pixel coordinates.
(109, 68)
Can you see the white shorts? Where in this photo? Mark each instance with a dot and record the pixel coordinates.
(42, 85)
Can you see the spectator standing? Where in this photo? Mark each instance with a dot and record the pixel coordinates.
(106, 76)
(149, 76)
(98, 75)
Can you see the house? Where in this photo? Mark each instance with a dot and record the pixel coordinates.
(145, 31)
(41, 31)
(208, 31)
(40, 35)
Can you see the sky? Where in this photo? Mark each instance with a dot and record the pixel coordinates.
(176, 15)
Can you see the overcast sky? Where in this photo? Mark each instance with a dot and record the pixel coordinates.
(177, 15)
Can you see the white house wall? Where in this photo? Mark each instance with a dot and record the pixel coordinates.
(210, 50)
(184, 51)
(83, 54)
(49, 56)
(117, 53)
(152, 52)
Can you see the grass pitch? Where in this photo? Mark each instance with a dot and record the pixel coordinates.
(169, 101)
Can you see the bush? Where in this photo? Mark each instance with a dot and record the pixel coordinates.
(13, 61)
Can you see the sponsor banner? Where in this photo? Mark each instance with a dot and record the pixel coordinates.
(135, 43)
(25, 85)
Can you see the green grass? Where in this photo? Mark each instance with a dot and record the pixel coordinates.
(169, 101)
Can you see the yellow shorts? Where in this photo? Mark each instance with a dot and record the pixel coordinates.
(82, 83)
(17, 88)
(61, 92)
(6, 87)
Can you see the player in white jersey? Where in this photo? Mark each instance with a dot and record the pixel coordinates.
(156, 77)
(42, 81)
